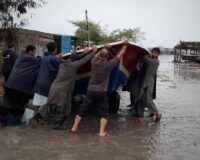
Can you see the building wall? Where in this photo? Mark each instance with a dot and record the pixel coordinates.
(23, 37)
(38, 39)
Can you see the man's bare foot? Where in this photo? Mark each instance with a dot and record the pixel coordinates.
(158, 117)
(74, 130)
(103, 134)
(41, 122)
(140, 120)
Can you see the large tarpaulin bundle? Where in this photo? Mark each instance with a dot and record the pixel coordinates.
(121, 72)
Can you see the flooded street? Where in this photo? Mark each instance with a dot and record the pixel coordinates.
(175, 137)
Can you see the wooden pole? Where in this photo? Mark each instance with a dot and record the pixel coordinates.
(88, 29)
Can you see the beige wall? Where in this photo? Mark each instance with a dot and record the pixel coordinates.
(27, 37)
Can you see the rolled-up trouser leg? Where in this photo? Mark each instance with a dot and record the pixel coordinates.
(85, 107)
(102, 102)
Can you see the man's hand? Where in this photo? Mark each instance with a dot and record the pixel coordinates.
(94, 48)
(125, 42)
(86, 50)
(107, 45)
(78, 47)
(60, 55)
(74, 52)
(123, 49)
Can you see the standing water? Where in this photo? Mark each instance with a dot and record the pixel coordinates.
(175, 137)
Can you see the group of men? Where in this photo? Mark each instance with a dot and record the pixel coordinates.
(50, 81)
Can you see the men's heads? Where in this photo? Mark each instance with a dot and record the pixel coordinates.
(104, 53)
(31, 49)
(52, 47)
(155, 52)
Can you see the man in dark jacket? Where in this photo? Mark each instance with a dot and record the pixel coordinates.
(134, 81)
(9, 58)
(144, 92)
(47, 73)
(20, 85)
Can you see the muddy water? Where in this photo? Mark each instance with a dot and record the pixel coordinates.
(176, 137)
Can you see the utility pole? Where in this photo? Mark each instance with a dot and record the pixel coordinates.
(88, 29)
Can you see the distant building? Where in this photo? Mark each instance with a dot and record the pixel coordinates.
(187, 51)
(20, 38)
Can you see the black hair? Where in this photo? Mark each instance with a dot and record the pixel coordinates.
(156, 49)
(30, 48)
(10, 46)
(51, 46)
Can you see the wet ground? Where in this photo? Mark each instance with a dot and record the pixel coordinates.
(176, 137)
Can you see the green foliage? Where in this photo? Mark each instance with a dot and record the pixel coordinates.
(12, 12)
(134, 35)
(100, 35)
(95, 31)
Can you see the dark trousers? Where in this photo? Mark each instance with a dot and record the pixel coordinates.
(16, 99)
(132, 98)
(13, 106)
(101, 101)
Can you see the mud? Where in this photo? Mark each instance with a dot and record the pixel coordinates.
(175, 137)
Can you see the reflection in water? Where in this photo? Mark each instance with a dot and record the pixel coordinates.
(187, 71)
(176, 137)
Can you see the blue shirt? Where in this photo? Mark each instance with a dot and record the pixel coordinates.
(47, 73)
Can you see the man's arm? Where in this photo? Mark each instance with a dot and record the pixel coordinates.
(98, 54)
(123, 50)
(114, 61)
(87, 51)
(147, 59)
(82, 61)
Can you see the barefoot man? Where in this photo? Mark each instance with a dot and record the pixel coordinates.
(97, 88)
(144, 98)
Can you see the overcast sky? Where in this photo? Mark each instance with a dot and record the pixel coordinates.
(164, 21)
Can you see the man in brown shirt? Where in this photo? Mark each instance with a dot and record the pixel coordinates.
(97, 88)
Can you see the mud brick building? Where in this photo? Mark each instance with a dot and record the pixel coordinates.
(20, 38)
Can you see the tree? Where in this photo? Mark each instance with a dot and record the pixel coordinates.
(12, 12)
(13, 15)
(132, 34)
(95, 31)
(100, 35)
